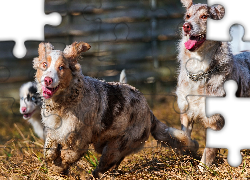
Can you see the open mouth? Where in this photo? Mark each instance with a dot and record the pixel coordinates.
(195, 42)
(49, 92)
(28, 115)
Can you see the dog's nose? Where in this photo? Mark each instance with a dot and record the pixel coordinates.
(23, 109)
(48, 81)
(187, 27)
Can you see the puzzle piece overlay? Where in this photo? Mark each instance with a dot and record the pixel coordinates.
(121, 32)
(237, 33)
(27, 24)
(218, 30)
(235, 134)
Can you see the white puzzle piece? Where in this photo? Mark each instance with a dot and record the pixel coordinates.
(235, 13)
(235, 134)
(24, 20)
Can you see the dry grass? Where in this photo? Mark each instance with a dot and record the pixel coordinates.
(21, 156)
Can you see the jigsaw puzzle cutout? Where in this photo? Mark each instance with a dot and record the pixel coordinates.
(238, 45)
(234, 135)
(218, 30)
(122, 32)
(153, 51)
(25, 25)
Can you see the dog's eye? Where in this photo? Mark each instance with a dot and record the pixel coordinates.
(188, 16)
(21, 98)
(33, 98)
(44, 64)
(61, 68)
(204, 17)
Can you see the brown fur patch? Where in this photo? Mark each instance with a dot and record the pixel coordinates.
(131, 119)
(133, 101)
(144, 136)
(44, 58)
(123, 144)
(65, 75)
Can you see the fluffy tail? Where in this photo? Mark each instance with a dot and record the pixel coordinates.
(172, 137)
(123, 78)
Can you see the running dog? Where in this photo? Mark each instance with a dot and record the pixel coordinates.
(30, 107)
(79, 110)
(204, 67)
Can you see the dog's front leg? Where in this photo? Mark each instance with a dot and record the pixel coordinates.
(208, 157)
(51, 149)
(51, 153)
(72, 149)
(186, 124)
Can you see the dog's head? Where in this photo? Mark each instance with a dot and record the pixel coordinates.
(195, 25)
(55, 68)
(30, 100)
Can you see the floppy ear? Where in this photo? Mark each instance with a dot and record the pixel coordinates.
(44, 48)
(187, 3)
(216, 12)
(73, 51)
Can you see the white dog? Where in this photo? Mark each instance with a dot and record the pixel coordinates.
(30, 103)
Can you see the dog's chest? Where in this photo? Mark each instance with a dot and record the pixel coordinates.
(58, 126)
(197, 62)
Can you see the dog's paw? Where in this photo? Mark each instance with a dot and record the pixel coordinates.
(50, 154)
(202, 167)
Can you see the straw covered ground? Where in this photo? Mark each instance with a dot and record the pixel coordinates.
(21, 154)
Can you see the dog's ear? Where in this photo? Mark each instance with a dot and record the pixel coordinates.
(187, 3)
(44, 48)
(36, 63)
(216, 12)
(73, 51)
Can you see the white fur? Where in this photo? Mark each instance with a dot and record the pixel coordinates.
(35, 119)
(62, 126)
(23, 95)
(200, 60)
(51, 71)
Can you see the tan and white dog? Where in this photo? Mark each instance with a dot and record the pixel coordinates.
(204, 67)
(79, 110)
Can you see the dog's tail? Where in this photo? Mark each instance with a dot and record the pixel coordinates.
(123, 77)
(172, 137)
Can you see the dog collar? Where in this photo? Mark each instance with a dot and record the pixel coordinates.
(202, 75)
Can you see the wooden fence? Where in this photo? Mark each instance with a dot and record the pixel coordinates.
(139, 36)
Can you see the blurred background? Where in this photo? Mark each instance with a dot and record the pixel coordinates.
(138, 36)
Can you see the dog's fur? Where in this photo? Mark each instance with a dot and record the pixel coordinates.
(30, 107)
(79, 110)
(204, 57)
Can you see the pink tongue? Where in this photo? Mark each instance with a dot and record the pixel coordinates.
(190, 44)
(46, 93)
